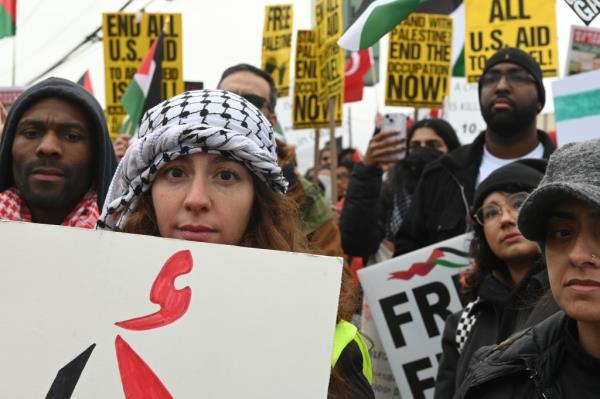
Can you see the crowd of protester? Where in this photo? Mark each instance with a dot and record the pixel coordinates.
(207, 166)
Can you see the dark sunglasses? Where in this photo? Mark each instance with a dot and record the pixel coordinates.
(257, 101)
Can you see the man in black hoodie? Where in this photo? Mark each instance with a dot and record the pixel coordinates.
(511, 94)
(56, 157)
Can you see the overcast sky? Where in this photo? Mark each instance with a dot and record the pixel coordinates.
(217, 34)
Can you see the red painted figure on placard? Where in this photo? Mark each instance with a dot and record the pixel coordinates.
(137, 378)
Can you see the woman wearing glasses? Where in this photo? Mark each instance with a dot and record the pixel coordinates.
(506, 279)
(559, 357)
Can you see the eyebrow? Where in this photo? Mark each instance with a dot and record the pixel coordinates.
(41, 124)
(221, 159)
(570, 215)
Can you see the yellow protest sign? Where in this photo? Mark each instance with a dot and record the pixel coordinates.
(277, 45)
(492, 24)
(328, 16)
(419, 61)
(127, 38)
(309, 112)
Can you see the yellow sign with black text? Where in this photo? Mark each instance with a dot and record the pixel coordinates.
(328, 16)
(419, 65)
(127, 38)
(308, 110)
(527, 24)
(277, 45)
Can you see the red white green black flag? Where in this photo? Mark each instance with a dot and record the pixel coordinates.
(145, 90)
(8, 18)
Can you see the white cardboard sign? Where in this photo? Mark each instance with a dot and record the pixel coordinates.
(577, 107)
(258, 323)
(409, 298)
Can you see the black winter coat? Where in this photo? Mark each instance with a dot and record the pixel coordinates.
(368, 205)
(526, 366)
(499, 312)
(441, 201)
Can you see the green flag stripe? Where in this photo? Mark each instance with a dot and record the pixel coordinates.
(384, 18)
(133, 102)
(579, 105)
(7, 25)
(446, 263)
(458, 69)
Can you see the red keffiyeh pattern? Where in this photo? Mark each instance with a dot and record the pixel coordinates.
(84, 214)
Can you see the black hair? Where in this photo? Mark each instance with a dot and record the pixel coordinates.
(258, 72)
(441, 128)
(483, 255)
(347, 164)
(345, 152)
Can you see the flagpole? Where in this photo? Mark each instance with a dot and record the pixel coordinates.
(315, 176)
(332, 148)
(350, 125)
(14, 60)
(375, 81)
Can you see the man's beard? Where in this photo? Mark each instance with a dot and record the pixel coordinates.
(510, 123)
(76, 183)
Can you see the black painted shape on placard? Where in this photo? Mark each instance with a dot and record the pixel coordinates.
(67, 377)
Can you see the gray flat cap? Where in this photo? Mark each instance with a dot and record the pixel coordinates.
(573, 172)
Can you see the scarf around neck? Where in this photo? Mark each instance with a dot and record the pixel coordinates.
(84, 214)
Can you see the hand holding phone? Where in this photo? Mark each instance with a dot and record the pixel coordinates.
(389, 146)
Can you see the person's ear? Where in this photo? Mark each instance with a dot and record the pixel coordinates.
(273, 119)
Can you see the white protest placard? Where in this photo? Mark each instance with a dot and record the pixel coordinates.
(577, 107)
(583, 54)
(409, 298)
(384, 385)
(226, 322)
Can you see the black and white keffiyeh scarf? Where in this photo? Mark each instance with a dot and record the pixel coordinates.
(209, 121)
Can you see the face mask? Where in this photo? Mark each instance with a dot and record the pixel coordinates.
(417, 159)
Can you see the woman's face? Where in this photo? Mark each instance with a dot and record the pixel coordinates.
(427, 137)
(203, 197)
(573, 259)
(500, 211)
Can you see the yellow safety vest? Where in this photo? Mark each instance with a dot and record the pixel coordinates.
(345, 333)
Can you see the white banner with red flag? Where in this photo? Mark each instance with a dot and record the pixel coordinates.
(113, 315)
(409, 298)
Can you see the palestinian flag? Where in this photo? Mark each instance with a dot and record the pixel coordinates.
(8, 18)
(378, 17)
(435, 259)
(144, 92)
(86, 82)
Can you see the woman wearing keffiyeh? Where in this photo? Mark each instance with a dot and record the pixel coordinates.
(204, 168)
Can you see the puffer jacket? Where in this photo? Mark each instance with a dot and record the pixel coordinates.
(497, 313)
(525, 366)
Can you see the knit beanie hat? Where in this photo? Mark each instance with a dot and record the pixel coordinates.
(572, 173)
(208, 121)
(524, 174)
(524, 60)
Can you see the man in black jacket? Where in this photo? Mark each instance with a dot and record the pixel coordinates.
(56, 157)
(511, 94)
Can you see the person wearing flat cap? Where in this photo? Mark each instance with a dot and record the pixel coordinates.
(560, 356)
(507, 276)
(511, 94)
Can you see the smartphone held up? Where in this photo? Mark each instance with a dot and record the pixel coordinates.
(396, 122)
